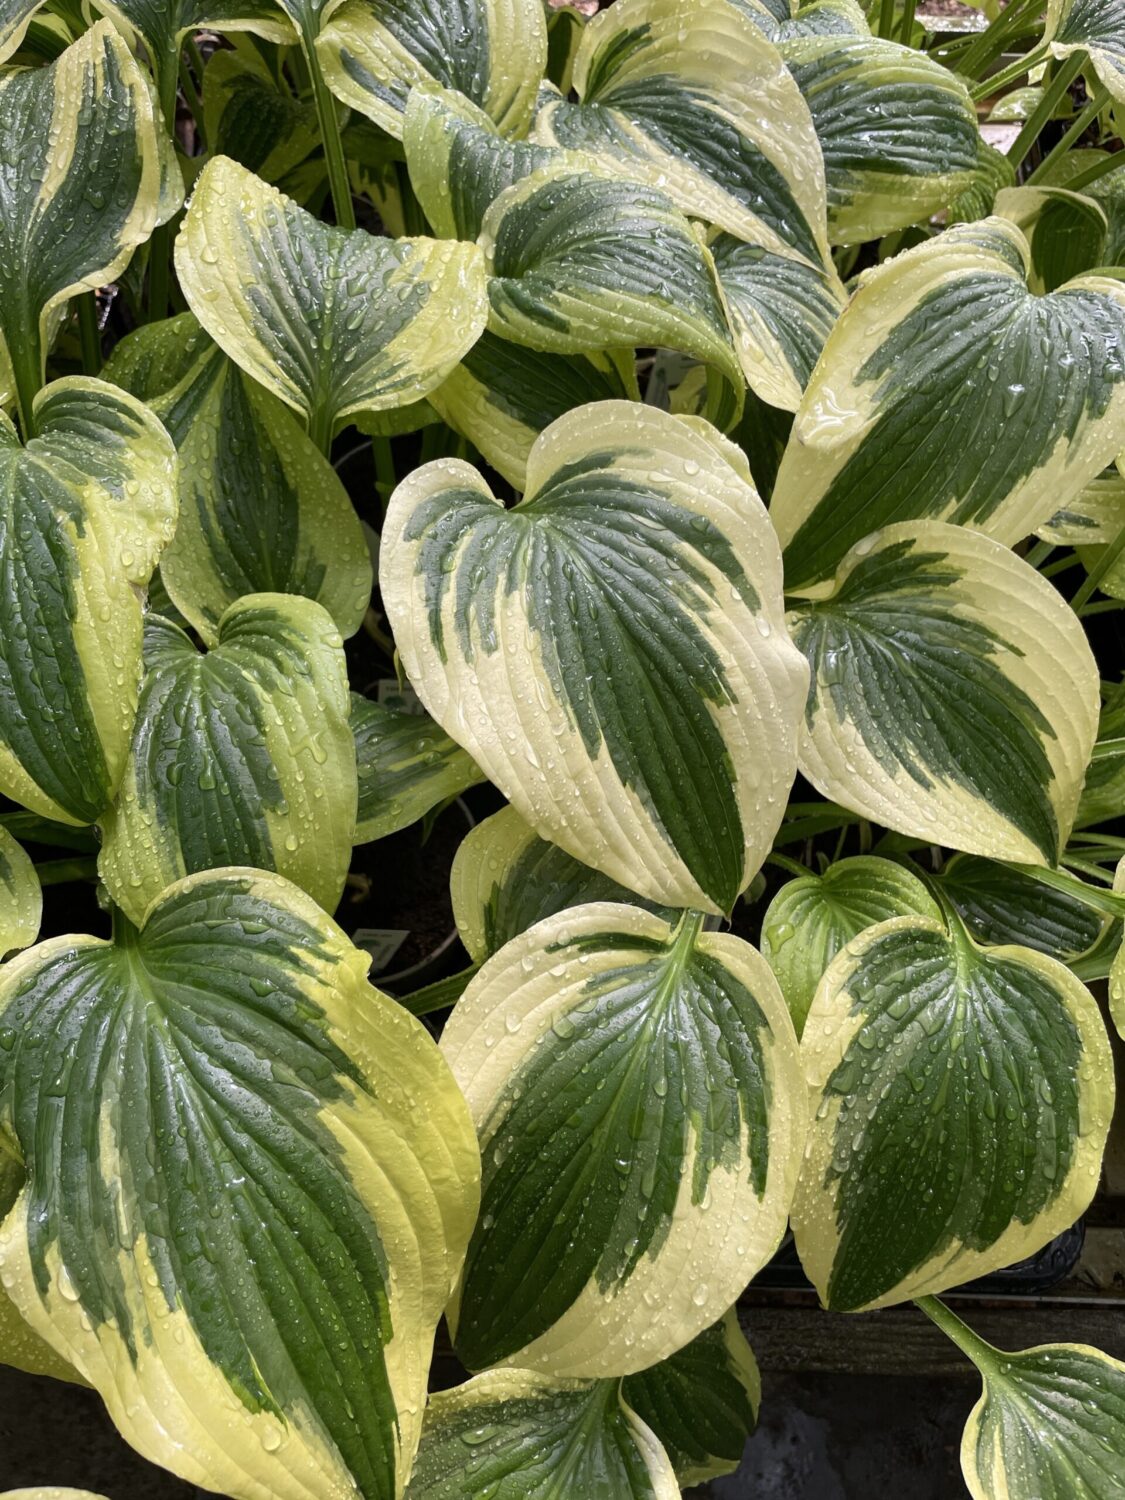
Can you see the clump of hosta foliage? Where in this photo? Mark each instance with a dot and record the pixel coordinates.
(619, 285)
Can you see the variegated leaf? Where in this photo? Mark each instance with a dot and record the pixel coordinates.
(492, 51)
(407, 766)
(79, 190)
(238, 1225)
(1093, 26)
(812, 917)
(643, 1082)
(247, 117)
(954, 696)
(948, 338)
(516, 1435)
(1094, 515)
(691, 95)
(241, 755)
(782, 310)
(85, 509)
(898, 131)
(261, 510)
(1103, 794)
(505, 878)
(618, 633)
(701, 1402)
(163, 24)
(999, 904)
(962, 1097)
(21, 900)
(331, 322)
(580, 262)
(1066, 232)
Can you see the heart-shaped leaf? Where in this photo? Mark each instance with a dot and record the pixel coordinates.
(813, 917)
(1050, 1421)
(954, 696)
(898, 131)
(701, 1402)
(241, 755)
(407, 766)
(638, 1097)
(1093, 26)
(331, 322)
(21, 900)
(79, 189)
(492, 51)
(236, 1222)
(505, 878)
(676, 91)
(516, 1435)
(85, 509)
(618, 633)
(261, 510)
(947, 338)
(962, 1100)
(163, 24)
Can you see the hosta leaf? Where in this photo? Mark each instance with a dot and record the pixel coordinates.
(1000, 905)
(85, 508)
(637, 1093)
(516, 1435)
(701, 1402)
(505, 878)
(691, 95)
(79, 187)
(993, 172)
(1050, 1424)
(954, 696)
(261, 510)
(19, 1346)
(1117, 970)
(579, 262)
(21, 900)
(242, 755)
(782, 311)
(1103, 795)
(618, 633)
(1093, 26)
(1094, 515)
(162, 24)
(15, 17)
(963, 1096)
(407, 766)
(898, 131)
(331, 322)
(948, 338)
(502, 396)
(1065, 232)
(249, 119)
(813, 917)
(459, 162)
(236, 1222)
(492, 51)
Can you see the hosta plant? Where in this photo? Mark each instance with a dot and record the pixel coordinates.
(678, 450)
